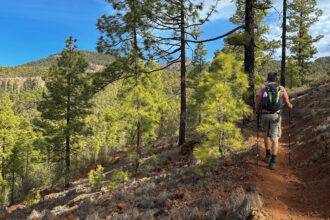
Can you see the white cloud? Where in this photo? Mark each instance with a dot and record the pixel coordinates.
(322, 27)
(225, 9)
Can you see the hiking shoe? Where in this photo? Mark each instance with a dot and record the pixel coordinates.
(267, 159)
(271, 166)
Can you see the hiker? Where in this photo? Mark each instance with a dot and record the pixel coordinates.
(270, 99)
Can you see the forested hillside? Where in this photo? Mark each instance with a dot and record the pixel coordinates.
(138, 130)
(36, 68)
(317, 70)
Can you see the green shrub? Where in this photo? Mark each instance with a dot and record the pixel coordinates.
(222, 88)
(33, 199)
(96, 177)
(148, 164)
(118, 176)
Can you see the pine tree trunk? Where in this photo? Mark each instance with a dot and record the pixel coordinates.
(12, 187)
(249, 58)
(3, 157)
(137, 74)
(283, 45)
(27, 164)
(182, 131)
(300, 34)
(67, 140)
(67, 161)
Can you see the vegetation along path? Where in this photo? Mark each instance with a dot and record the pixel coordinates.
(299, 189)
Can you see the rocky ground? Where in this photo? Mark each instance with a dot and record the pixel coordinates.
(237, 189)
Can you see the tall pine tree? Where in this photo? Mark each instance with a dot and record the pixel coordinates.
(67, 99)
(122, 33)
(302, 15)
(251, 45)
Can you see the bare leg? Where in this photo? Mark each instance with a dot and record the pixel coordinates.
(274, 146)
(267, 142)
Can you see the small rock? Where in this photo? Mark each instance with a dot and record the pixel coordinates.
(229, 163)
(35, 215)
(104, 197)
(179, 194)
(71, 216)
(122, 206)
(168, 203)
(256, 214)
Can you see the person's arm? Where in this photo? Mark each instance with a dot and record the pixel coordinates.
(286, 99)
(288, 103)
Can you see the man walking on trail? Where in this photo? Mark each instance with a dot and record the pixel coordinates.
(270, 98)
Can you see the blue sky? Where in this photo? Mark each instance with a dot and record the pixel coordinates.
(35, 29)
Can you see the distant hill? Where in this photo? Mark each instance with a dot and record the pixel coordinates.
(35, 68)
(323, 59)
(176, 66)
(320, 66)
(90, 56)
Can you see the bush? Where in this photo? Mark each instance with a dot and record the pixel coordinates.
(148, 164)
(118, 176)
(96, 177)
(2, 183)
(162, 197)
(4, 198)
(33, 199)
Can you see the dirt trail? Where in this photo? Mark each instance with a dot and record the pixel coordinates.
(301, 189)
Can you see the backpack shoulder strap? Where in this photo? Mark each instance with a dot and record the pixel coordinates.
(267, 87)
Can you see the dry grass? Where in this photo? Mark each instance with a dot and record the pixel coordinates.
(162, 197)
(146, 189)
(190, 214)
(208, 201)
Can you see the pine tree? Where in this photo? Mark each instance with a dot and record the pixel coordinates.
(15, 166)
(179, 18)
(302, 15)
(123, 33)
(284, 30)
(107, 122)
(223, 87)
(199, 61)
(67, 99)
(8, 130)
(193, 79)
(3, 85)
(251, 13)
(152, 98)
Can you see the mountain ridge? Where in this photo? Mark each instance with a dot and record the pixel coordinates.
(325, 59)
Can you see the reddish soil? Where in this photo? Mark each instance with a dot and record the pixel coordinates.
(299, 190)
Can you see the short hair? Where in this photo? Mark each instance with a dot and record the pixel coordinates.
(272, 77)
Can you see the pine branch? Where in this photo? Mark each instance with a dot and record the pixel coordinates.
(216, 38)
(170, 64)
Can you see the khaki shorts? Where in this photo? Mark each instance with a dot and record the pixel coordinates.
(272, 125)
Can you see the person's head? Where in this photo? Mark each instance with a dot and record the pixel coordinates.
(272, 77)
